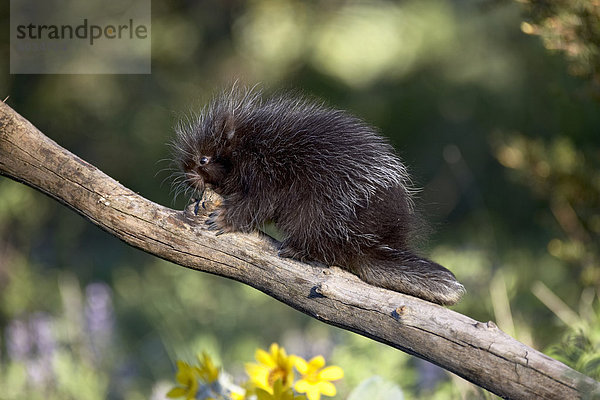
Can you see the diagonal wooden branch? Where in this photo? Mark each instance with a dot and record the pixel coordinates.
(479, 352)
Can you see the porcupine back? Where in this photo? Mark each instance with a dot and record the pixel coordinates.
(331, 183)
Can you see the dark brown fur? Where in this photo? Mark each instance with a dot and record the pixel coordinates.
(330, 182)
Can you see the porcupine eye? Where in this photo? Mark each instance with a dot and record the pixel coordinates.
(204, 160)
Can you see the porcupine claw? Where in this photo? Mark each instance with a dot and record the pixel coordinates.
(216, 222)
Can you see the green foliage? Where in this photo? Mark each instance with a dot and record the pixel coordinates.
(580, 345)
(571, 27)
(494, 127)
(569, 180)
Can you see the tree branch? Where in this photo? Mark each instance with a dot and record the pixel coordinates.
(479, 352)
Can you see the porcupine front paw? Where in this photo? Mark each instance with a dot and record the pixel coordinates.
(217, 221)
(201, 207)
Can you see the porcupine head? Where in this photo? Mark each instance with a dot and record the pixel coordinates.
(331, 183)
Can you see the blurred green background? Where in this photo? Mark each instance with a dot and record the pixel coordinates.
(494, 106)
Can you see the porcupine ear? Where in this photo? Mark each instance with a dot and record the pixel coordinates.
(228, 133)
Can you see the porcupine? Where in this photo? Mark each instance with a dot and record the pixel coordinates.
(330, 182)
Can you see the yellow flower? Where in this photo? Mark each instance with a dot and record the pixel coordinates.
(316, 379)
(188, 377)
(207, 370)
(279, 393)
(272, 366)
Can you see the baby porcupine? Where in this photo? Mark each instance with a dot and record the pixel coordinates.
(328, 180)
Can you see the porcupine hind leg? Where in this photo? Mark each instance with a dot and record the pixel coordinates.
(411, 274)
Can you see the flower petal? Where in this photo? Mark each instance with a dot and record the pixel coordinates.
(331, 373)
(280, 351)
(264, 358)
(183, 371)
(238, 395)
(258, 374)
(313, 393)
(301, 365)
(317, 362)
(274, 350)
(327, 388)
(302, 386)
